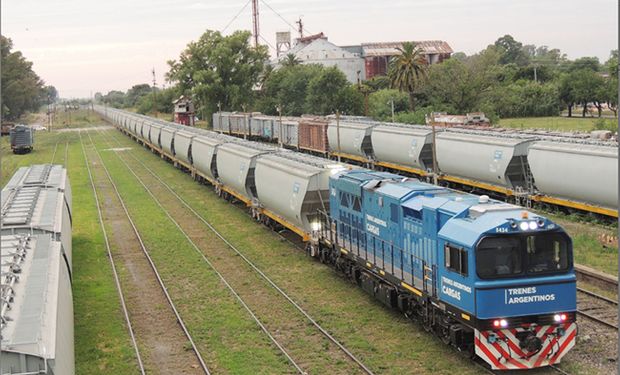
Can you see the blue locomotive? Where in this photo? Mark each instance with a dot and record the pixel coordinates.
(485, 276)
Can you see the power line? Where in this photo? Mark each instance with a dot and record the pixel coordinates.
(279, 15)
(266, 41)
(236, 16)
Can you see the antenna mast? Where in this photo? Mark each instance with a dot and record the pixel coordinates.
(300, 29)
(255, 21)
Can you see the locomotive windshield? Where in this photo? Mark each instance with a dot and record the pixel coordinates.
(522, 255)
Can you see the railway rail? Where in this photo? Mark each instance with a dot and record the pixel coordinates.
(178, 317)
(54, 152)
(117, 282)
(597, 308)
(251, 264)
(600, 309)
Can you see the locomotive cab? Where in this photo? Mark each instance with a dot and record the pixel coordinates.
(523, 287)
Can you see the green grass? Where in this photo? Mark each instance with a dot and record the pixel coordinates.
(588, 248)
(102, 344)
(75, 119)
(556, 123)
(226, 335)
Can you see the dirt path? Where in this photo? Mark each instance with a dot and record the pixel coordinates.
(159, 336)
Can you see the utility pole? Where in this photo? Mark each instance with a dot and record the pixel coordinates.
(392, 104)
(154, 107)
(219, 111)
(434, 154)
(49, 114)
(338, 132)
(245, 121)
(535, 78)
(255, 22)
(279, 109)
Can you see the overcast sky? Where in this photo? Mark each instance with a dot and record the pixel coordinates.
(81, 46)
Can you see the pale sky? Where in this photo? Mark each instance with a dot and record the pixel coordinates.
(84, 46)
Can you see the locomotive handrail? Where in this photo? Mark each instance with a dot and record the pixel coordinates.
(327, 232)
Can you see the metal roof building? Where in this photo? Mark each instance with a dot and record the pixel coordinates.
(377, 55)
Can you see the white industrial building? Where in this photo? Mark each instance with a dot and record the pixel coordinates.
(316, 49)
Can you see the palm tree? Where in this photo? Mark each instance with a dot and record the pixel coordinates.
(407, 70)
(290, 60)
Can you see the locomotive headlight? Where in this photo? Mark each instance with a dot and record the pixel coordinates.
(559, 317)
(315, 225)
(533, 225)
(503, 323)
(524, 225)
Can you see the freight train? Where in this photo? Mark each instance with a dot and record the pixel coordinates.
(490, 278)
(36, 306)
(529, 168)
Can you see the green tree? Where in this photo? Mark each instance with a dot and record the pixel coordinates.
(380, 103)
(464, 84)
(408, 70)
(585, 63)
(587, 86)
(525, 99)
(287, 87)
(159, 100)
(219, 69)
(330, 91)
(114, 99)
(135, 93)
(511, 51)
(377, 83)
(290, 60)
(22, 89)
(566, 91)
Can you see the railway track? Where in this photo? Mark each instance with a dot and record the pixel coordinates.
(258, 273)
(594, 306)
(54, 152)
(597, 308)
(114, 272)
(146, 254)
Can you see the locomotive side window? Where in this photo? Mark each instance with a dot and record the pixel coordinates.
(344, 201)
(357, 205)
(456, 259)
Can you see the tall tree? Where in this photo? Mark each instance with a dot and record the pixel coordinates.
(135, 93)
(511, 51)
(219, 69)
(330, 92)
(407, 70)
(22, 89)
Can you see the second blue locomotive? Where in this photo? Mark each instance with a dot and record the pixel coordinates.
(486, 276)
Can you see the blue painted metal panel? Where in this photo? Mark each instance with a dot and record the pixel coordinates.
(527, 297)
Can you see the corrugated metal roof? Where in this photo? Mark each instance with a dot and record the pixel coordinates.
(39, 175)
(29, 289)
(429, 47)
(32, 208)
